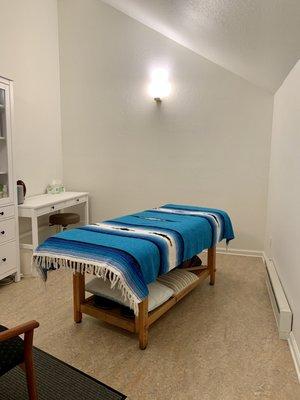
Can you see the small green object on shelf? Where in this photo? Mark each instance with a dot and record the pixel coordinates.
(55, 189)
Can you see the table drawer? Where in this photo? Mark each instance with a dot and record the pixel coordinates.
(50, 209)
(7, 212)
(75, 201)
(7, 230)
(8, 257)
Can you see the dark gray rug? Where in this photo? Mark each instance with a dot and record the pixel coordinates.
(56, 380)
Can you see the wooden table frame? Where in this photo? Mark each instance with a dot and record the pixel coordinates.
(141, 323)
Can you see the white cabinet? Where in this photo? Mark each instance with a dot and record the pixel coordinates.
(9, 242)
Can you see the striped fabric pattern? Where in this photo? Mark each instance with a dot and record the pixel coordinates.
(213, 218)
(177, 279)
(165, 241)
(134, 250)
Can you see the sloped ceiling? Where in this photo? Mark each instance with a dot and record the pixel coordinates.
(256, 39)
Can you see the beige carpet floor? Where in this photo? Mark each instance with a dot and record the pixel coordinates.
(219, 343)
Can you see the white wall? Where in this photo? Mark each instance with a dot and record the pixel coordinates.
(284, 192)
(208, 144)
(29, 55)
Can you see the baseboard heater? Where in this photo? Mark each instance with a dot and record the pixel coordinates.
(280, 305)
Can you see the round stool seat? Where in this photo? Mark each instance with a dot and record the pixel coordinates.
(64, 219)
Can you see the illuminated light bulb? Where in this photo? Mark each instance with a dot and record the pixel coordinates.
(160, 86)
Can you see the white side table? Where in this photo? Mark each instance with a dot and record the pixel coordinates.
(36, 206)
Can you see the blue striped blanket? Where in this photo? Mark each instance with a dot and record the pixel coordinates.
(132, 251)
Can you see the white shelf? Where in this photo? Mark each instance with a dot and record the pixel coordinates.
(8, 206)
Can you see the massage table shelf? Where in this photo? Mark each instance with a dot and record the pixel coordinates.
(113, 316)
(141, 323)
(161, 310)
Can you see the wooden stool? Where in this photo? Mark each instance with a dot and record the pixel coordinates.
(64, 219)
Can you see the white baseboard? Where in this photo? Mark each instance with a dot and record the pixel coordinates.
(293, 346)
(295, 353)
(240, 252)
(265, 257)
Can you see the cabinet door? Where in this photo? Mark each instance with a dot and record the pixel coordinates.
(6, 184)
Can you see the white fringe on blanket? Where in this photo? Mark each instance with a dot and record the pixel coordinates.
(102, 270)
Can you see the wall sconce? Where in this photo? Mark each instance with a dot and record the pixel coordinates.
(159, 86)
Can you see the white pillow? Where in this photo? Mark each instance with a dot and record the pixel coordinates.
(158, 293)
(177, 279)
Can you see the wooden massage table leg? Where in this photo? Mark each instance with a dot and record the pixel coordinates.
(143, 324)
(211, 264)
(78, 295)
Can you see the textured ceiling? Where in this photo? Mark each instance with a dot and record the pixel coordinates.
(256, 39)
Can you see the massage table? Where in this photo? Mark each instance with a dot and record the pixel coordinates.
(133, 251)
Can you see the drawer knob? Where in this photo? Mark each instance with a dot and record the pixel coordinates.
(2, 213)
(77, 199)
(4, 259)
(2, 232)
(52, 207)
